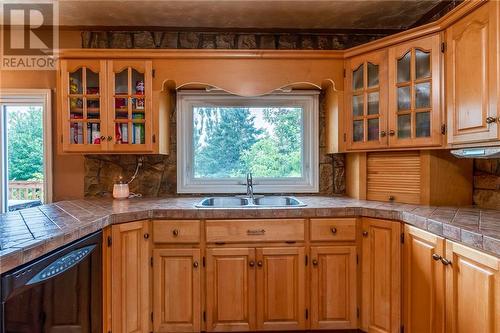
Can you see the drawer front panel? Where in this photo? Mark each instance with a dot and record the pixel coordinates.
(176, 231)
(333, 229)
(255, 230)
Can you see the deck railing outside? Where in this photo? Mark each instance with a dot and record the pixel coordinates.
(25, 190)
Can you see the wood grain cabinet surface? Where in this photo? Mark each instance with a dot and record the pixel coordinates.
(472, 58)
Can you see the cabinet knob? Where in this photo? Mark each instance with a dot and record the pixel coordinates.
(315, 262)
(333, 230)
(383, 134)
(490, 120)
(146, 236)
(259, 263)
(365, 233)
(103, 138)
(110, 138)
(392, 198)
(251, 263)
(445, 261)
(392, 132)
(175, 232)
(436, 256)
(195, 264)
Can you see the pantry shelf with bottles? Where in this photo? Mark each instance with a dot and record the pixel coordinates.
(106, 106)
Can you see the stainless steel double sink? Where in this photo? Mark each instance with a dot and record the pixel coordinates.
(247, 202)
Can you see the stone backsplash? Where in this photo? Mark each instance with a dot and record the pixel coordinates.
(487, 183)
(158, 175)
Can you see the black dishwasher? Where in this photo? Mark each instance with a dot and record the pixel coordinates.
(60, 292)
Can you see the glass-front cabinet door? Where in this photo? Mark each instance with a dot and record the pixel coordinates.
(366, 101)
(130, 109)
(414, 93)
(83, 106)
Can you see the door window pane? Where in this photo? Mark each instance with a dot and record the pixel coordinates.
(357, 131)
(404, 126)
(422, 64)
(403, 68)
(137, 83)
(357, 105)
(423, 126)
(93, 111)
(24, 156)
(76, 82)
(373, 103)
(92, 82)
(423, 95)
(373, 132)
(93, 133)
(404, 102)
(121, 82)
(372, 75)
(357, 78)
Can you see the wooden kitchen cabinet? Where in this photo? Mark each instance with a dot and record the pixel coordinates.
(472, 290)
(280, 283)
(177, 290)
(130, 277)
(107, 107)
(381, 276)
(424, 282)
(230, 291)
(366, 101)
(333, 287)
(472, 76)
(414, 93)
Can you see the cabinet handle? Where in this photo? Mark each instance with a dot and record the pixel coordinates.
(146, 236)
(365, 233)
(251, 263)
(392, 133)
(175, 232)
(259, 263)
(333, 230)
(392, 198)
(256, 232)
(445, 261)
(436, 256)
(315, 262)
(383, 134)
(110, 138)
(490, 120)
(103, 138)
(195, 264)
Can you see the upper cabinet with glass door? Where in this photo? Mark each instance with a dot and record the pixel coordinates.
(414, 93)
(366, 101)
(130, 100)
(83, 113)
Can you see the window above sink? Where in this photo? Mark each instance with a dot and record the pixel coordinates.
(221, 137)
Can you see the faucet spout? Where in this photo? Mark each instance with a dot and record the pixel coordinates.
(250, 187)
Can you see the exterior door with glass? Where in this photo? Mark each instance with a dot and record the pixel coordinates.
(414, 93)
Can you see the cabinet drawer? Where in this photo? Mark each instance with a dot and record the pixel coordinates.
(333, 229)
(176, 231)
(255, 230)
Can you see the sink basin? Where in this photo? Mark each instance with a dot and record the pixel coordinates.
(242, 202)
(279, 201)
(223, 202)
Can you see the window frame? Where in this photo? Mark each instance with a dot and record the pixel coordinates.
(26, 97)
(308, 183)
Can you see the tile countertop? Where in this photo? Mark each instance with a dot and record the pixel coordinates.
(30, 233)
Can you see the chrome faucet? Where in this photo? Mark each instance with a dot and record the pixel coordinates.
(250, 186)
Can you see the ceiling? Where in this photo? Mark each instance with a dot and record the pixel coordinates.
(250, 14)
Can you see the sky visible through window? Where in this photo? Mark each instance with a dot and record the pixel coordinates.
(228, 142)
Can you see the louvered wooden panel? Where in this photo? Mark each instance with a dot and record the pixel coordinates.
(395, 174)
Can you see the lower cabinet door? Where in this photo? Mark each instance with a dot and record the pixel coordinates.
(130, 275)
(176, 297)
(333, 287)
(472, 290)
(230, 289)
(424, 278)
(281, 288)
(381, 276)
